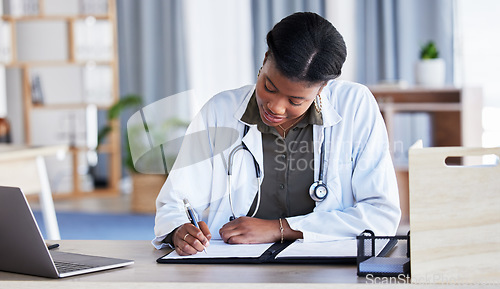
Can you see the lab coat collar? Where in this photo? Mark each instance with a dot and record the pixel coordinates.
(243, 105)
(328, 111)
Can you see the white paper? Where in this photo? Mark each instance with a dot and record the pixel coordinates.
(384, 264)
(219, 249)
(98, 84)
(341, 248)
(93, 6)
(5, 42)
(93, 40)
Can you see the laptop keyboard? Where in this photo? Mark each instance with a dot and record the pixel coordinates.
(64, 267)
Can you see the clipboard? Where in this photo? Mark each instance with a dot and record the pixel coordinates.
(291, 252)
(267, 256)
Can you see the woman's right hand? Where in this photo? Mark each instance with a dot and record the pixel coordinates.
(189, 240)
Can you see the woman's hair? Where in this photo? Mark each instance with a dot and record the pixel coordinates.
(306, 47)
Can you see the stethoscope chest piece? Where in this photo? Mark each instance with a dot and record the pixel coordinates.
(318, 191)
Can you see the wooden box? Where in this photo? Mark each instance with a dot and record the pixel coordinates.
(454, 217)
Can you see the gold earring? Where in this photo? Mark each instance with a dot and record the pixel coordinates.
(258, 74)
(317, 103)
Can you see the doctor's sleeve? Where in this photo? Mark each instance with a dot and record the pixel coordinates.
(189, 178)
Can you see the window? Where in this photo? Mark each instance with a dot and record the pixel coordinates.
(478, 59)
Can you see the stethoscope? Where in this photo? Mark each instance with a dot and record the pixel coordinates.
(318, 190)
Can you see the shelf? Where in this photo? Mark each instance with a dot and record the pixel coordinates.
(59, 196)
(417, 95)
(402, 169)
(430, 107)
(103, 148)
(57, 63)
(54, 17)
(381, 89)
(68, 106)
(63, 68)
(450, 116)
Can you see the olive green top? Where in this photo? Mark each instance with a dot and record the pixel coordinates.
(288, 165)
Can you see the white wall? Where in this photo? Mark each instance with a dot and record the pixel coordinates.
(342, 14)
(478, 58)
(3, 96)
(219, 46)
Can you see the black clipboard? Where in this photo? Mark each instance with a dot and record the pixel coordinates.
(268, 256)
(271, 256)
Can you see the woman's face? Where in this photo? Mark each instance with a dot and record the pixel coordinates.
(281, 101)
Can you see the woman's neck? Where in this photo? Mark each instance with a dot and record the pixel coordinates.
(284, 128)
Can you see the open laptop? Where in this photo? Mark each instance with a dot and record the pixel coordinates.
(23, 250)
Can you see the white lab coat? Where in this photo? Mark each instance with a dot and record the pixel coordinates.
(358, 170)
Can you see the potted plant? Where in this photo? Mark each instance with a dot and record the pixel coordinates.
(150, 165)
(147, 180)
(113, 113)
(430, 70)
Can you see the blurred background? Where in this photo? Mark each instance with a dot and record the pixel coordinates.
(73, 72)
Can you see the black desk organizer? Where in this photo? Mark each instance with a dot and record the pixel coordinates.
(381, 265)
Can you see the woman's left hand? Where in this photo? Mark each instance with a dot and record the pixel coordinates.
(247, 230)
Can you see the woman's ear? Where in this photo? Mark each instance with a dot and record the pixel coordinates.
(321, 87)
(265, 58)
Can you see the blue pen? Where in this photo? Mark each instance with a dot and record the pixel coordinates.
(192, 217)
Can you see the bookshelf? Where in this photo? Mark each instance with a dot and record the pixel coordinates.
(61, 72)
(445, 116)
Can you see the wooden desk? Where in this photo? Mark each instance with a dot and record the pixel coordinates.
(24, 167)
(146, 273)
(146, 269)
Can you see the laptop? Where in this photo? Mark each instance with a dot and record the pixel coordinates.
(23, 250)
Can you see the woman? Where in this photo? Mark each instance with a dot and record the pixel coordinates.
(296, 124)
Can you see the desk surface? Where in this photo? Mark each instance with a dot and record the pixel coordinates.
(14, 152)
(152, 275)
(145, 268)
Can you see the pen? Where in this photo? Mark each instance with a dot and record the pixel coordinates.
(192, 217)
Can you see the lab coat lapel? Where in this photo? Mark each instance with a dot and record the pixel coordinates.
(253, 141)
(320, 132)
(328, 111)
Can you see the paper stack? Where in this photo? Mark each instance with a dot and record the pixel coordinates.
(385, 265)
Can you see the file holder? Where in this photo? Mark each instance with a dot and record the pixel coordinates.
(381, 265)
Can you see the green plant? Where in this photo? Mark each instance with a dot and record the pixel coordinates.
(114, 112)
(128, 101)
(167, 131)
(156, 132)
(429, 51)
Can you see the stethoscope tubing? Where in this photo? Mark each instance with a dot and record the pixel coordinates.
(258, 173)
